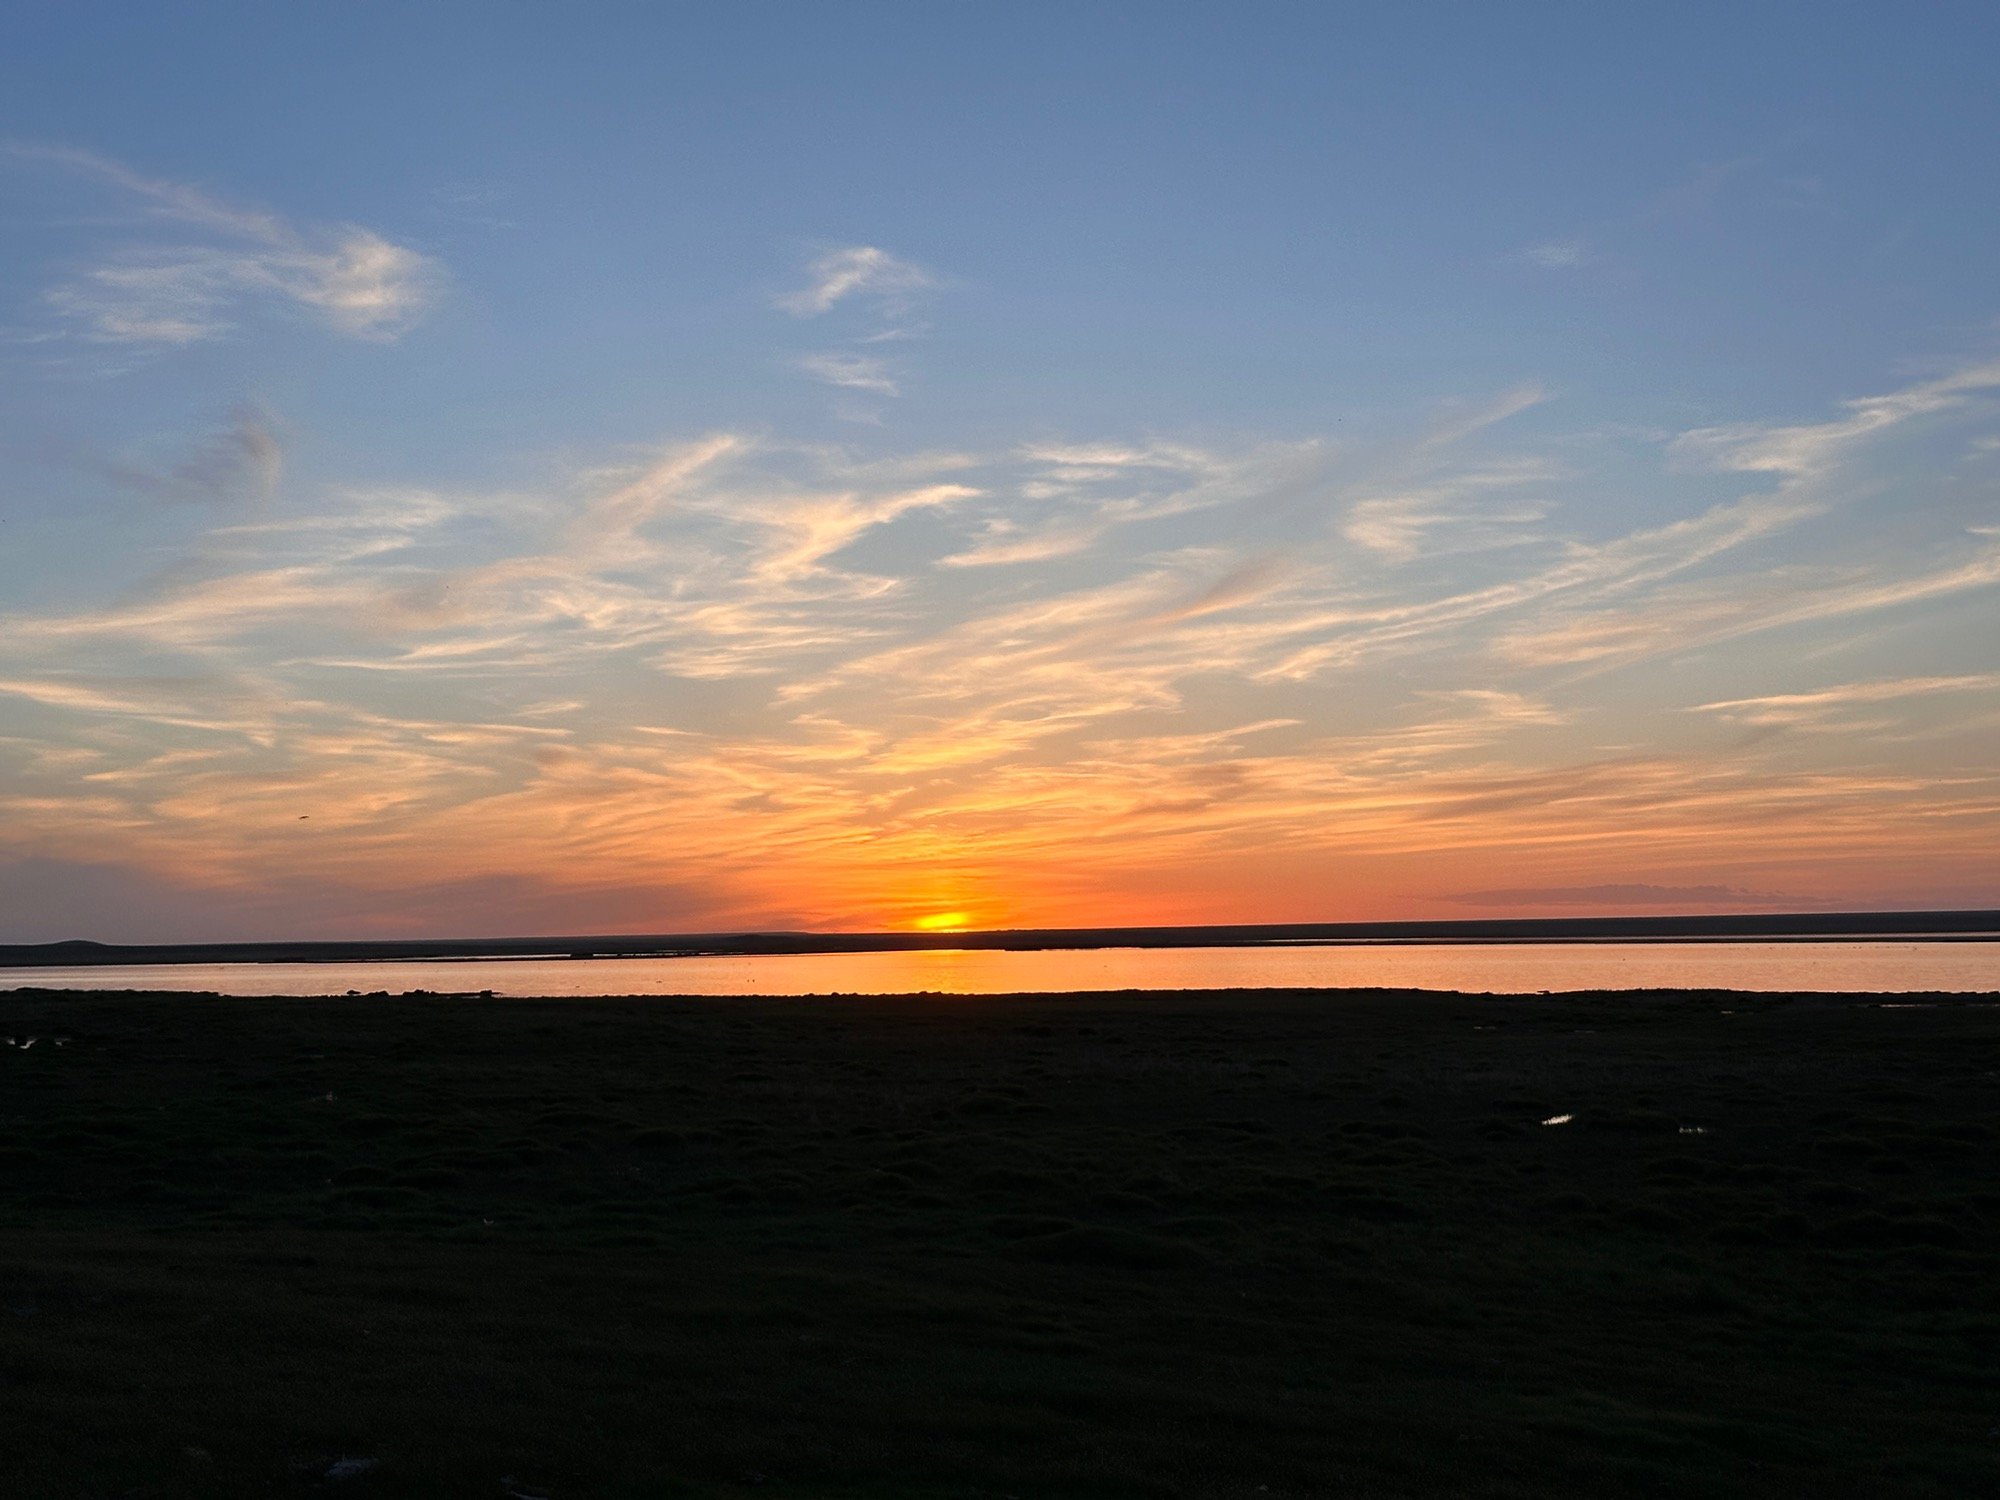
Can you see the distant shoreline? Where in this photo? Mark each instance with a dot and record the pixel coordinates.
(1920, 926)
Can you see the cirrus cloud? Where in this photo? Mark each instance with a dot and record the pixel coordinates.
(227, 261)
(857, 271)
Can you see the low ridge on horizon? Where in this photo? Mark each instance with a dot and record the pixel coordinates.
(1972, 923)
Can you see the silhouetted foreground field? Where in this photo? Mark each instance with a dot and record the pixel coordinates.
(1107, 1246)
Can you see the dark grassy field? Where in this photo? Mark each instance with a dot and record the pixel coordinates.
(1106, 1246)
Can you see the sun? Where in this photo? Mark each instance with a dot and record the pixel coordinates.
(942, 921)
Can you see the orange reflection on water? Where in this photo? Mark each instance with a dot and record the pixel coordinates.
(1513, 968)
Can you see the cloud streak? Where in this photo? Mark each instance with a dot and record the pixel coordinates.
(244, 460)
(858, 271)
(1794, 709)
(889, 290)
(349, 279)
(853, 372)
(1619, 897)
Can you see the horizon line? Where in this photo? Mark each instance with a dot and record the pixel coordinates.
(1959, 924)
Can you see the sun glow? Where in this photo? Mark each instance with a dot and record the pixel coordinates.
(942, 921)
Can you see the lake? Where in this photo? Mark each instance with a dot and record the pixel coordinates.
(1495, 968)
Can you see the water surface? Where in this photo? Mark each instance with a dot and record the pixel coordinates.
(1495, 968)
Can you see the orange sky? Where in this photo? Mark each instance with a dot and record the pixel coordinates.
(672, 697)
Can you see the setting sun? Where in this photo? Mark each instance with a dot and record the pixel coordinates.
(942, 921)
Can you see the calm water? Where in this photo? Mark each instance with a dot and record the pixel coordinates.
(1510, 968)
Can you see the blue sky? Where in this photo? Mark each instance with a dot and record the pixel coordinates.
(645, 467)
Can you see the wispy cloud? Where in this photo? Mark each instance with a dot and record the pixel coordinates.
(858, 271)
(854, 372)
(203, 701)
(1448, 516)
(1621, 895)
(888, 289)
(243, 460)
(1420, 498)
(1558, 255)
(1063, 499)
(149, 292)
(1460, 419)
(1683, 619)
(1795, 709)
(1807, 449)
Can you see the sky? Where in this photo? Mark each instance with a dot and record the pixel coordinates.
(486, 469)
